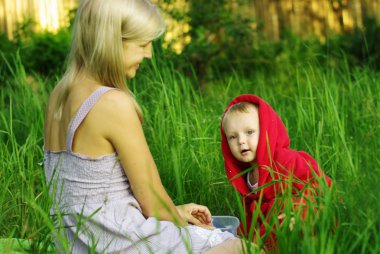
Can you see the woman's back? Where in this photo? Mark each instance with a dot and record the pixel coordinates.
(87, 186)
(88, 139)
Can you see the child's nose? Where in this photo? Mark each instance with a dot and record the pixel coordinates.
(241, 140)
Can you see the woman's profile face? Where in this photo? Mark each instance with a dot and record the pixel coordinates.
(134, 54)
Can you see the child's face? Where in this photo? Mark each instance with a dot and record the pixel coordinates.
(242, 132)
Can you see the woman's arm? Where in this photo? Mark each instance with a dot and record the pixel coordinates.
(125, 133)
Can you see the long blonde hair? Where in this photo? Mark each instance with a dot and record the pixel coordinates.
(100, 28)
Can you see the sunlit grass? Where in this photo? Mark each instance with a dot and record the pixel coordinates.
(331, 113)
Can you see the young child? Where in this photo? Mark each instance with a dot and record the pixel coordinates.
(255, 147)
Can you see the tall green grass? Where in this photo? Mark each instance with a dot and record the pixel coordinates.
(24, 198)
(331, 113)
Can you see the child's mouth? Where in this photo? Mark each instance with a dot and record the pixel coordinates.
(244, 151)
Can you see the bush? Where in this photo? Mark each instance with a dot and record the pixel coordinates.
(40, 52)
(7, 50)
(360, 46)
(45, 52)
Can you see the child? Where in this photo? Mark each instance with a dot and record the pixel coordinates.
(254, 139)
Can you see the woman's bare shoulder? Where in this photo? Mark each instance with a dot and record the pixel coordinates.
(117, 118)
(117, 101)
(116, 109)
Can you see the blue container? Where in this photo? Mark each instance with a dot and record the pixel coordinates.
(226, 223)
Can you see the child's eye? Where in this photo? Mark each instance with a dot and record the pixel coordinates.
(250, 132)
(231, 137)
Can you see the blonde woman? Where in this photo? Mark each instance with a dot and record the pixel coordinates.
(107, 191)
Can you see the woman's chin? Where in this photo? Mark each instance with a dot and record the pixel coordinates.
(131, 74)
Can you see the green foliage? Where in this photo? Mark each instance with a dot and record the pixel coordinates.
(217, 32)
(360, 46)
(25, 200)
(41, 52)
(6, 44)
(223, 41)
(7, 49)
(45, 52)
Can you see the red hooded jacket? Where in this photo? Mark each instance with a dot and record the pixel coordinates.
(276, 161)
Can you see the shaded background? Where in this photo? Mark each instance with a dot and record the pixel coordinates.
(215, 37)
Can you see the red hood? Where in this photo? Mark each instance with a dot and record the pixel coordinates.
(273, 152)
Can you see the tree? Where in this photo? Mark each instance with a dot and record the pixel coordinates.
(220, 32)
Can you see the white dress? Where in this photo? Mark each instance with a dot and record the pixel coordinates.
(98, 210)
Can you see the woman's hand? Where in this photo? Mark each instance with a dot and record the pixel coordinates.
(195, 214)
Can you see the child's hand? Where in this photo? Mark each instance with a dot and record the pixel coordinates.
(195, 214)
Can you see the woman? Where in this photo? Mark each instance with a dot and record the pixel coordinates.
(106, 185)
